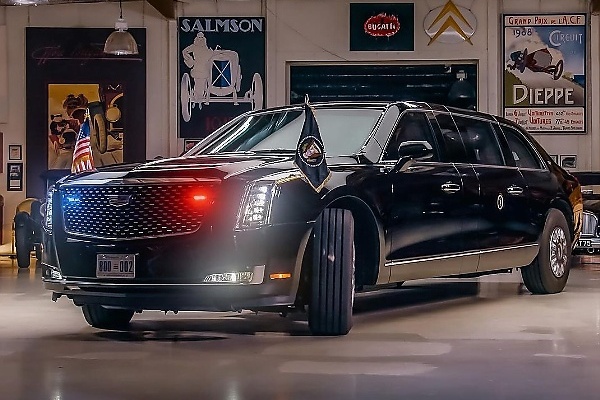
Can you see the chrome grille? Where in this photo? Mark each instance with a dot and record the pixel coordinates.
(590, 222)
(130, 212)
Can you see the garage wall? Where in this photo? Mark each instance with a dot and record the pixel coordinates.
(297, 31)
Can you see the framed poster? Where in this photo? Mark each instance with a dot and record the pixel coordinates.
(14, 178)
(221, 71)
(545, 72)
(67, 104)
(67, 71)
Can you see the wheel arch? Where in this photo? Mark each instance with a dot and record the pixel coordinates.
(563, 206)
(368, 240)
(369, 244)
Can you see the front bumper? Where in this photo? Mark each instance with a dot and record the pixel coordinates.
(170, 273)
(175, 297)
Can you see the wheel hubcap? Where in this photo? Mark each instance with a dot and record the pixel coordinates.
(558, 252)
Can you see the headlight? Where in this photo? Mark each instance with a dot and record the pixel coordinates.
(48, 209)
(255, 209)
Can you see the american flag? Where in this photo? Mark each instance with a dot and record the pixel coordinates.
(82, 155)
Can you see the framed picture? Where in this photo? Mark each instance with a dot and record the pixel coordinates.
(15, 152)
(568, 161)
(14, 178)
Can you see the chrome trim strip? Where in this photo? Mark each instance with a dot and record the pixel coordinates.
(118, 181)
(113, 239)
(257, 279)
(456, 255)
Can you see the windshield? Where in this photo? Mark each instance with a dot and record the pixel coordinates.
(344, 131)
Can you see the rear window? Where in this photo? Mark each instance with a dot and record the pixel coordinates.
(521, 151)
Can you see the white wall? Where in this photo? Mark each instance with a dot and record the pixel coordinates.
(297, 30)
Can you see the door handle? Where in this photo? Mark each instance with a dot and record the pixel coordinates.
(514, 190)
(449, 187)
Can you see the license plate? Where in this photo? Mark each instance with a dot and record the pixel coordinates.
(115, 266)
(584, 243)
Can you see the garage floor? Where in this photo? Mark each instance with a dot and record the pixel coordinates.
(428, 340)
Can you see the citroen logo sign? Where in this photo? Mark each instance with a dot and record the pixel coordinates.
(450, 24)
(119, 200)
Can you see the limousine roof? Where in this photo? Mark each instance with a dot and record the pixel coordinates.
(403, 105)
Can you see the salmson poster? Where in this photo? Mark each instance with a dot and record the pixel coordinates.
(221, 71)
(544, 72)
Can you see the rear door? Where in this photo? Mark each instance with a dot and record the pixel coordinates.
(540, 183)
(503, 207)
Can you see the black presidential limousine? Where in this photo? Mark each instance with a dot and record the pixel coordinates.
(415, 191)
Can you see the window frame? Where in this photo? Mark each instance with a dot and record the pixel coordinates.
(543, 166)
(492, 131)
(428, 116)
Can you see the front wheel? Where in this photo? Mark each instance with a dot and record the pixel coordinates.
(106, 318)
(332, 275)
(23, 236)
(549, 272)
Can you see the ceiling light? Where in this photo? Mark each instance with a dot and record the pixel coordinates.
(120, 42)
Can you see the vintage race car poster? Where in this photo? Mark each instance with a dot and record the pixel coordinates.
(221, 71)
(67, 104)
(544, 72)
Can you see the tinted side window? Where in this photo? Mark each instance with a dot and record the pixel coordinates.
(412, 127)
(480, 141)
(523, 154)
(451, 141)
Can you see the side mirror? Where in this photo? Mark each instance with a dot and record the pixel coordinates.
(410, 151)
(416, 149)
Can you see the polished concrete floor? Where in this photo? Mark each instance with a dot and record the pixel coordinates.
(428, 340)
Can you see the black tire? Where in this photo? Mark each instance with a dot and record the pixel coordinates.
(540, 277)
(332, 274)
(106, 318)
(23, 246)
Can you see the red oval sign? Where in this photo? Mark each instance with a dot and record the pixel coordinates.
(382, 25)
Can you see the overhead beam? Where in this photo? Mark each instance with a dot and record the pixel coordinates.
(165, 7)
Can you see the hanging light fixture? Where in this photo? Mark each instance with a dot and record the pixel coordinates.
(120, 42)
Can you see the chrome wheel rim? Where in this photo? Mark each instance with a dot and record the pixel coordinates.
(558, 252)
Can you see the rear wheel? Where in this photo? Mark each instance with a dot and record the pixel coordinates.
(332, 276)
(106, 318)
(549, 272)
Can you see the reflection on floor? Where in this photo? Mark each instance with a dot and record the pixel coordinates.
(476, 339)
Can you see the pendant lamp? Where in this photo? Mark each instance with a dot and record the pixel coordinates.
(120, 42)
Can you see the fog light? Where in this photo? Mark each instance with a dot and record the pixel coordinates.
(230, 277)
(253, 277)
(53, 273)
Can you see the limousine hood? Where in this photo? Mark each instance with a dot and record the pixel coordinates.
(215, 167)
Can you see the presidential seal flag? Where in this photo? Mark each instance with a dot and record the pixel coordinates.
(310, 153)
(82, 155)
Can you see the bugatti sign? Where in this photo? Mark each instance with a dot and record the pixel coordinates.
(382, 25)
